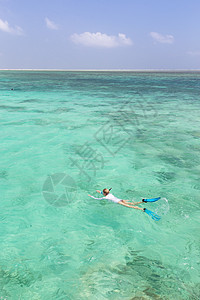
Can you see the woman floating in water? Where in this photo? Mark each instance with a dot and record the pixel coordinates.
(111, 197)
(127, 203)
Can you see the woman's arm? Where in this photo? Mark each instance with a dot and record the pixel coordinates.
(99, 192)
(95, 197)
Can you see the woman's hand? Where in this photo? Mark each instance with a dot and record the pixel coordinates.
(99, 192)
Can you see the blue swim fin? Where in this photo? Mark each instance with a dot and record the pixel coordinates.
(154, 216)
(151, 200)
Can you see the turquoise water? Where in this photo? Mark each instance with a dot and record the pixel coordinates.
(135, 132)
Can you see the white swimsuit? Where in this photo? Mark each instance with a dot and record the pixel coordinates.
(109, 197)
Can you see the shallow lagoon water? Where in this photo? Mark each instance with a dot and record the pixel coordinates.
(135, 132)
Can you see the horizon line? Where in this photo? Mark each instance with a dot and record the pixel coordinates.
(104, 70)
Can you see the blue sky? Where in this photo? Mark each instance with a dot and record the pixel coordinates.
(100, 34)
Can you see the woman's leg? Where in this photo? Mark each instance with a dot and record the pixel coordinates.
(133, 203)
(127, 205)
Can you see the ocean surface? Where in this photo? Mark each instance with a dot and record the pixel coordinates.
(65, 135)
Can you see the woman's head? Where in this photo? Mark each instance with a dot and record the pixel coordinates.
(106, 192)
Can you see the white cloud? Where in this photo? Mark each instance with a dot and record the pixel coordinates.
(101, 40)
(194, 53)
(4, 26)
(164, 39)
(50, 24)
